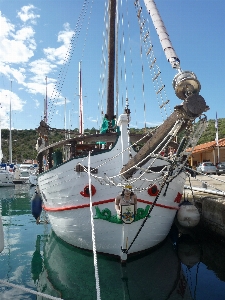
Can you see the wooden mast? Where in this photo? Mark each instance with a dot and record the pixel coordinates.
(111, 59)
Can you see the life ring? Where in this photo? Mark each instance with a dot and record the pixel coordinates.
(85, 192)
(153, 190)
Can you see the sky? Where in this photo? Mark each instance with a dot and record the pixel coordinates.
(42, 43)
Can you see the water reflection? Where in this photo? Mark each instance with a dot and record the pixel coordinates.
(189, 251)
(69, 273)
(203, 263)
(16, 200)
(36, 263)
(192, 267)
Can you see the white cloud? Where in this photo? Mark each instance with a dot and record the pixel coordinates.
(26, 14)
(41, 68)
(37, 83)
(92, 120)
(66, 35)
(26, 35)
(16, 102)
(12, 51)
(58, 55)
(16, 105)
(16, 46)
(36, 103)
(18, 74)
(39, 88)
(5, 27)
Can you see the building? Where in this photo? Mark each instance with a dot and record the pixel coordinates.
(208, 152)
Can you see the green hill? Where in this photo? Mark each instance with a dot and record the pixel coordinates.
(24, 141)
(210, 132)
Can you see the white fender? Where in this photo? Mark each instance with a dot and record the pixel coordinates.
(1, 235)
(188, 215)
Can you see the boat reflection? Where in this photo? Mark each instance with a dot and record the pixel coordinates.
(189, 251)
(68, 272)
(14, 200)
(200, 250)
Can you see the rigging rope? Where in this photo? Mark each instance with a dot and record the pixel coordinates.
(66, 62)
(165, 141)
(116, 180)
(168, 178)
(154, 68)
(93, 232)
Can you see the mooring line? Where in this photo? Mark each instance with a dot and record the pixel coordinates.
(28, 290)
(93, 232)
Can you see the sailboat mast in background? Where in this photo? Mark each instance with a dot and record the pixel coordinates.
(81, 119)
(65, 118)
(1, 154)
(10, 128)
(46, 103)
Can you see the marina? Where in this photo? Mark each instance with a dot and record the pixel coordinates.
(133, 208)
(185, 266)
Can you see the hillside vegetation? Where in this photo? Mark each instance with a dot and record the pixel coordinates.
(24, 141)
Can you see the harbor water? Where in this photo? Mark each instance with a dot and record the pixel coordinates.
(35, 264)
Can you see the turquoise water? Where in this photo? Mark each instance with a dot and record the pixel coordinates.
(35, 259)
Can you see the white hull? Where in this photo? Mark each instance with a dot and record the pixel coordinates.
(69, 211)
(21, 176)
(33, 179)
(6, 178)
(71, 221)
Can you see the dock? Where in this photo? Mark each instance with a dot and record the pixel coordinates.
(208, 195)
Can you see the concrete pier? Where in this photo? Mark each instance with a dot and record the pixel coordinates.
(207, 195)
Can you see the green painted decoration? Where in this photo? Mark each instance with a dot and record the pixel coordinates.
(106, 214)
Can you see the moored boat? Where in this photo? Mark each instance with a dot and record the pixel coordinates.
(6, 169)
(87, 181)
(6, 178)
(22, 173)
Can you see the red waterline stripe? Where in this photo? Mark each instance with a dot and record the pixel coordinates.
(98, 203)
(157, 204)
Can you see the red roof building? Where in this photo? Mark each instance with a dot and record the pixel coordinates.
(208, 152)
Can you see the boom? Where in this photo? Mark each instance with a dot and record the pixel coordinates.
(185, 83)
(162, 33)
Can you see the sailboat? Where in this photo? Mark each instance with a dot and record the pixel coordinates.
(79, 193)
(6, 177)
